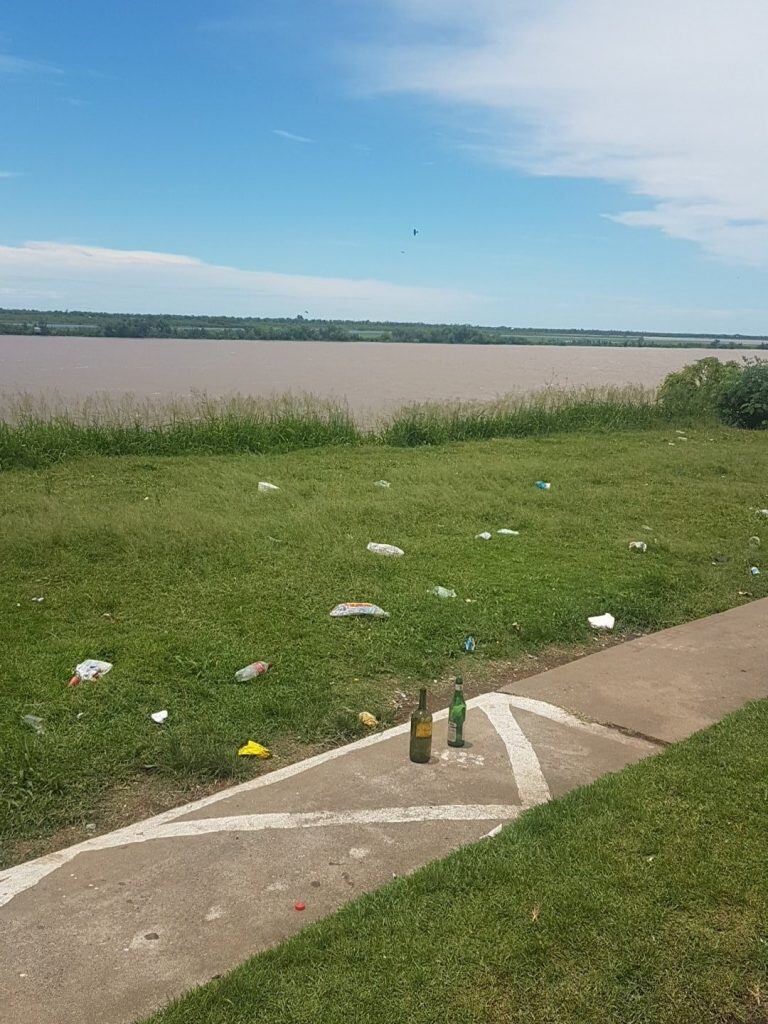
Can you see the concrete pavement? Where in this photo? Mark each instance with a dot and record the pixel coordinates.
(113, 928)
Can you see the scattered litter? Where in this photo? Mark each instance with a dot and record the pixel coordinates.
(763, 512)
(679, 431)
(38, 600)
(485, 535)
(720, 560)
(299, 906)
(256, 668)
(382, 483)
(543, 485)
(606, 621)
(682, 439)
(351, 608)
(34, 723)
(470, 600)
(80, 714)
(265, 487)
(159, 716)
(469, 644)
(755, 542)
(754, 571)
(745, 593)
(252, 749)
(509, 533)
(385, 549)
(90, 826)
(89, 669)
(535, 911)
(671, 444)
(442, 592)
(494, 832)
(368, 720)
(638, 545)
(649, 529)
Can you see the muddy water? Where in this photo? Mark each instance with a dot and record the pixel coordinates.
(371, 377)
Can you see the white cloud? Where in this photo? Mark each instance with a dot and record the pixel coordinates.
(668, 99)
(88, 277)
(10, 174)
(289, 135)
(10, 65)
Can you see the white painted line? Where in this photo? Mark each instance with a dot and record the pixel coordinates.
(531, 784)
(25, 876)
(555, 714)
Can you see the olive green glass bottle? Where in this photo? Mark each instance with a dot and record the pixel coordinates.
(421, 731)
(456, 715)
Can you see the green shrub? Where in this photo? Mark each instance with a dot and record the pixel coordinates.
(696, 390)
(744, 400)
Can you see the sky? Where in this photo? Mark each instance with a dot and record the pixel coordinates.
(566, 163)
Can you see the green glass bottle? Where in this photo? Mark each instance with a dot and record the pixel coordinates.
(421, 731)
(456, 715)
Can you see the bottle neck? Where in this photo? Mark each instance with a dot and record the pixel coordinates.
(458, 685)
(422, 700)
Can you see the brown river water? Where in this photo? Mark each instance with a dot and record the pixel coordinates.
(371, 377)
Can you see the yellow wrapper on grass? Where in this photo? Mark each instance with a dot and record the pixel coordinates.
(252, 749)
(367, 719)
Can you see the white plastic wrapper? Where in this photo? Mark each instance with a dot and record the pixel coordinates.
(267, 488)
(443, 592)
(485, 535)
(349, 609)
(386, 549)
(509, 533)
(382, 483)
(606, 621)
(159, 716)
(638, 545)
(92, 669)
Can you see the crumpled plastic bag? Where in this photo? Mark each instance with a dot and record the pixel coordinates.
(606, 621)
(348, 609)
(638, 545)
(368, 720)
(89, 669)
(253, 749)
(509, 533)
(543, 485)
(159, 716)
(382, 483)
(442, 592)
(385, 549)
(485, 535)
(265, 487)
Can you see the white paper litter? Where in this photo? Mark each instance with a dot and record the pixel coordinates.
(606, 621)
(485, 535)
(382, 483)
(638, 545)
(159, 716)
(509, 533)
(385, 549)
(265, 487)
(91, 668)
(351, 608)
(443, 592)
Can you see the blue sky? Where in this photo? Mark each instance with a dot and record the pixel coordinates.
(566, 162)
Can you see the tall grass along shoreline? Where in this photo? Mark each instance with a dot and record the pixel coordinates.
(35, 432)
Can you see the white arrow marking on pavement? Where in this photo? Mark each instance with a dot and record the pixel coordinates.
(531, 784)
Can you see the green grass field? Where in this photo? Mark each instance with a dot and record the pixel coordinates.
(642, 899)
(180, 572)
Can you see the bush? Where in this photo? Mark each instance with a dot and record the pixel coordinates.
(744, 400)
(697, 390)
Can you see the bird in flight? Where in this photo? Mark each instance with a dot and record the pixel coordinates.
(415, 232)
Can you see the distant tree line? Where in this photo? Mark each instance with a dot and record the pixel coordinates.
(300, 328)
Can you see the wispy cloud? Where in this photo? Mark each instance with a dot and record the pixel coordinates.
(666, 99)
(10, 174)
(10, 65)
(290, 135)
(91, 277)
